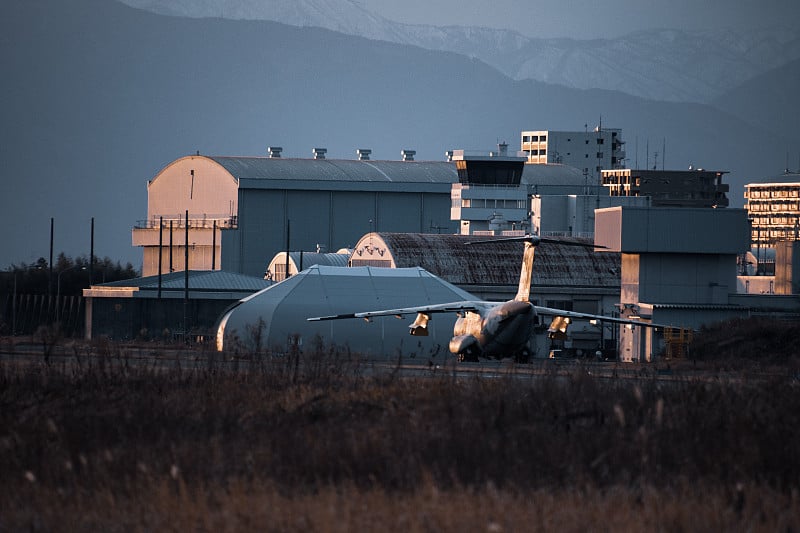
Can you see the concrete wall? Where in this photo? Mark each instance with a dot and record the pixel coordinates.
(787, 267)
(678, 278)
(672, 230)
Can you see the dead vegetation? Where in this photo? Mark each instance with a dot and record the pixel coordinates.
(748, 343)
(309, 442)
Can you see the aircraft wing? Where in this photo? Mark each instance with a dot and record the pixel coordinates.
(549, 311)
(452, 307)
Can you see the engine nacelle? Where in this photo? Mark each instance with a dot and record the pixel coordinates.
(464, 344)
(558, 327)
(420, 326)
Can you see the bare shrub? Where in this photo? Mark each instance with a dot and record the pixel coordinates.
(736, 342)
(48, 336)
(213, 446)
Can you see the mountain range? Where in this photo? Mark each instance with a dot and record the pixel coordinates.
(98, 96)
(663, 64)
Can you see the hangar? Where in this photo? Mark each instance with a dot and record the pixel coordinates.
(568, 277)
(275, 318)
(293, 262)
(235, 213)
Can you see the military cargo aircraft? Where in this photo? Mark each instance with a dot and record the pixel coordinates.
(496, 329)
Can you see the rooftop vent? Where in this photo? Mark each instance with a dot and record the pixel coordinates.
(408, 155)
(274, 151)
(363, 154)
(319, 153)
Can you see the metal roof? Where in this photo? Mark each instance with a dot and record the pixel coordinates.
(308, 259)
(553, 174)
(284, 308)
(337, 170)
(199, 280)
(499, 263)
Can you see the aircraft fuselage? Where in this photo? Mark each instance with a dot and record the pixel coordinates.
(503, 332)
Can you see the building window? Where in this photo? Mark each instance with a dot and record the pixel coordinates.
(600, 140)
(542, 152)
(526, 138)
(543, 138)
(599, 155)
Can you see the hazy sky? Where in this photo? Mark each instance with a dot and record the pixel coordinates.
(591, 18)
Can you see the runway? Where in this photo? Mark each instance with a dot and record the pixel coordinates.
(202, 358)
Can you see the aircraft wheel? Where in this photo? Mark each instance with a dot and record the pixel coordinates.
(468, 356)
(523, 356)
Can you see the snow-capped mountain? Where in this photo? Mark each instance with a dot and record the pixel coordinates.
(668, 65)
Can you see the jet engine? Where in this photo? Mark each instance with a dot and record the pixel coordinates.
(466, 346)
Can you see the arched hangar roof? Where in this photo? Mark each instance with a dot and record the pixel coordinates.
(282, 310)
(267, 172)
(308, 259)
(448, 257)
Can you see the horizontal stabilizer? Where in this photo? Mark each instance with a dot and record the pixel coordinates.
(536, 240)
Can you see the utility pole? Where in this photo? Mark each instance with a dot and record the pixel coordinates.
(186, 281)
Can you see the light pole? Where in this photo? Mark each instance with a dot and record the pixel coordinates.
(58, 289)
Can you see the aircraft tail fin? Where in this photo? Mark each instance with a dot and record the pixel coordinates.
(526, 273)
(531, 241)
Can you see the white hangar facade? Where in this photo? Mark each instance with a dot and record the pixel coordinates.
(234, 213)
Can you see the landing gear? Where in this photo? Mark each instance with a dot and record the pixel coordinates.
(469, 355)
(523, 356)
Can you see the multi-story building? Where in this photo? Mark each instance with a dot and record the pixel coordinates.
(774, 210)
(589, 151)
(669, 188)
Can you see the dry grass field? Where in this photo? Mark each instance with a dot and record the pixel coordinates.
(297, 443)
